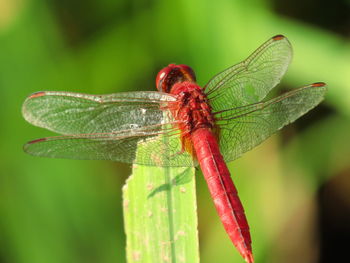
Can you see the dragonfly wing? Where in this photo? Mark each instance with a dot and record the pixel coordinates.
(147, 147)
(252, 79)
(243, 128)
(75, 113)
(132, 127)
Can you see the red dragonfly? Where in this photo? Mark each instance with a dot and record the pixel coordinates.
(181, 124)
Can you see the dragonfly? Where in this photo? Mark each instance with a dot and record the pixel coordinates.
(181, 124)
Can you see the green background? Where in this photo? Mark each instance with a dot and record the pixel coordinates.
(295, 187)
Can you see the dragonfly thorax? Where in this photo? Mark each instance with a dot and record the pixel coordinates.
(192, 110)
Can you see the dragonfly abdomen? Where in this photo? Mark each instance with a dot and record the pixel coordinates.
(222, 190)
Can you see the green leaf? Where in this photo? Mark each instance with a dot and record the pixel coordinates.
(160, 215)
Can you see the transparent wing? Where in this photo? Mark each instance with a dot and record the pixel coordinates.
(252, 79)
(132, 127)
(143, 146)
(75, 113)
(242, 128)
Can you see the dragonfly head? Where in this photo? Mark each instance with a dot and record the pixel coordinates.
(172, 74)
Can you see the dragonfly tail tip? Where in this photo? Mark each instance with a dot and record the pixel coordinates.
(249, 258)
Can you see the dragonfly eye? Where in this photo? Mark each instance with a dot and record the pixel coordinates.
(172, 74)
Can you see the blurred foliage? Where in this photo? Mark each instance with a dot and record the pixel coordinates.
(70, 211)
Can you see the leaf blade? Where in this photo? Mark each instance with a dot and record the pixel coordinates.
(160, 215)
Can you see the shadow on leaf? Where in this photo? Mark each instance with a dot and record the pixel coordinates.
(183, 178)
